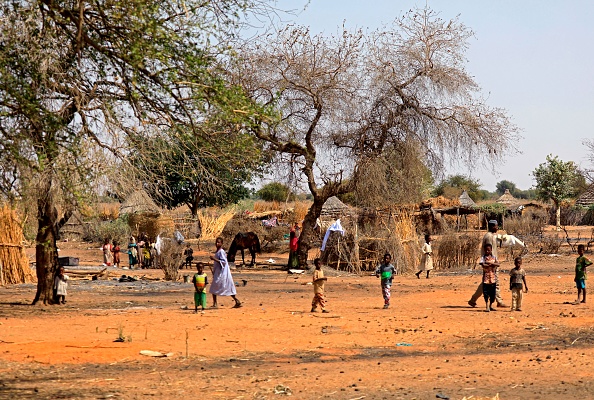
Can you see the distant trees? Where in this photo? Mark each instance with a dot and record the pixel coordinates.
(514, 190)
(274, 191)
(453, 185)
(346, 99)
(556, 180)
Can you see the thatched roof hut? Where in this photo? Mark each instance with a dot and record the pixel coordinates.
(74, 228)
(139, 202)
(334, 208)
(587, 198)
(466, 201)
(507, 199)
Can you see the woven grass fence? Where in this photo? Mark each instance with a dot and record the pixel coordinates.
(213, 222)
(14, 263)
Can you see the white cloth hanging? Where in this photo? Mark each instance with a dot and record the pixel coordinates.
(335, 227)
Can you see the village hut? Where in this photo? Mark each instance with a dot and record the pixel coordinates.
(587, 198)
(334, 208)
(74, 228)
(145, 217)
(508, 200)
(466, 201)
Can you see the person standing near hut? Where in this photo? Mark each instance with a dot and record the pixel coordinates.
(107, 253)
(293, 245)
(222, 280)
(386, 272)
(490, 238)
(426, 258)
(132, 252)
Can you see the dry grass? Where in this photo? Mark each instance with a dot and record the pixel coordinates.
(213, 222)
(262, 206)
(14, 263)
(300, 210)
(108, 211)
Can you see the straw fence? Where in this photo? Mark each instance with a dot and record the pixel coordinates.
(14, 263)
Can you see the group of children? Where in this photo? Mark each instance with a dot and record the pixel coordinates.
(139, 254)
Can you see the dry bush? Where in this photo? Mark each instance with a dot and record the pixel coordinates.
(262, 206)
(531, 222)
(549, 244)
(213, 222)
(300, 210)
(171, 258)
(14, 263)
(454, 250)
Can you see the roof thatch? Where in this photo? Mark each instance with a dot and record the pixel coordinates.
(334, 207)
(139, 202)
(507, 199)
(587, 198)
(466, 201)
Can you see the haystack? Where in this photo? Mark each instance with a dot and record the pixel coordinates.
(14, 263)
(139, 202)
(507, 199)
(144, 216)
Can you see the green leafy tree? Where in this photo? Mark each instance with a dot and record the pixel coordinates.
(556, 181)
(453, 185)
(77, 78)
(504, 185)
(274, 191)
(197, 171)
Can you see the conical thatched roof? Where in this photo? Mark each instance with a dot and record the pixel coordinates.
(139, 202)
(507, 199)
(466, 201)
(333, 207)
(587, 198)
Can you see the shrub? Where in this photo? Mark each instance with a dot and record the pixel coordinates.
(97, 231)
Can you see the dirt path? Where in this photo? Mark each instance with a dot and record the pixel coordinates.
(357, 350)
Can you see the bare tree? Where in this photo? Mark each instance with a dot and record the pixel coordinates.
(345, 99)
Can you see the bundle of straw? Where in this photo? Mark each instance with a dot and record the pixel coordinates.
(213, 223)
(14, 263)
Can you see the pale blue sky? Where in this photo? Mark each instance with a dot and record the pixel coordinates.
(533, 58)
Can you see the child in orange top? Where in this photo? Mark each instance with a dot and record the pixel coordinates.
(318, 284)
(490, 264)
(200, 281)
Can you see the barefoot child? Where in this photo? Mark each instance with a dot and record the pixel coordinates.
(200, 281)
(517, 277)
(318, 285)
(386, 272)
(116, 254)
(581, 263)
(60, 286)
(490, 264)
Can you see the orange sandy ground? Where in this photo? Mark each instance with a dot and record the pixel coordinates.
(69, 351)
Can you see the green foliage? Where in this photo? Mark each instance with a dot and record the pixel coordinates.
(504, 185)
(97, 231)
(493, 208)
(453, 186)
(556, 180)
(274, 191)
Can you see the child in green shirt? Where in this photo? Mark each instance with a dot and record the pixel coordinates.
(581, 263)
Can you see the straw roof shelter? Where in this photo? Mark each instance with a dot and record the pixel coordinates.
(507, 199)
(139, 202)
(334, 208)
(466, 201)
(587, 198)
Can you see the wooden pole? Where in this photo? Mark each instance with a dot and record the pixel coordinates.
(356, 251)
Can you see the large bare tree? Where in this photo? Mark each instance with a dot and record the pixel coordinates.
(345, 99)
(76, 76)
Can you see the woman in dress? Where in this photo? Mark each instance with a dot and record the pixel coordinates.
(132, 252)
(426, 258)
(107, 255)
(222, 281)
(293, 245)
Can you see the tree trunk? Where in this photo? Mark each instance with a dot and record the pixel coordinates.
(558, 216)
(307, 231)
(46, 250)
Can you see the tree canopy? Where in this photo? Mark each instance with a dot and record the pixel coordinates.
(453, 185)
(81, 77)
(274, 191)
(347, 98)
